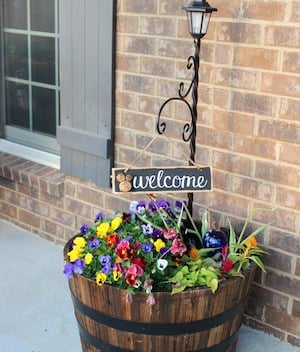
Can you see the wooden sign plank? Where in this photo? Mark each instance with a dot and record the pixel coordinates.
(168, 179)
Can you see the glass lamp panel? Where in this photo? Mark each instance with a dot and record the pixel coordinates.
(196, 22)
(206, 18)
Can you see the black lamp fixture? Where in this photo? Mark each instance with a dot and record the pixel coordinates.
(198, 14)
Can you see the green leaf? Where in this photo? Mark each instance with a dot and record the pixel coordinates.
(232, 234)
(258, 261)
(204, 223)
(213, 284)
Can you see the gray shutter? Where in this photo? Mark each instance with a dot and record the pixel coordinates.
(87, 45)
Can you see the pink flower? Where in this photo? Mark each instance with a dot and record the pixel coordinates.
(148, 285)
(170, 234)
(135, 269)
(150, 300)
(178, 247)
(128, 297)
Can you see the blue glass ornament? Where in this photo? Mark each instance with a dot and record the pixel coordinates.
(214, 239)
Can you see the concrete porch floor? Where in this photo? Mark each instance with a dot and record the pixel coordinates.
(36, 308)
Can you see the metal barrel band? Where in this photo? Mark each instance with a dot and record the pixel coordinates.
(105, 347)
(170, 329)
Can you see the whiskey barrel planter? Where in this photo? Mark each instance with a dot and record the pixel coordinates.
(194, 320)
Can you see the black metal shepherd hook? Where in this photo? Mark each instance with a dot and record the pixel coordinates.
(198, 14)
(189, 129)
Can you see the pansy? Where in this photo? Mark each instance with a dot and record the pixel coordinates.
(159, 244)
(68, 270)
(162, 264)
(102, 229)
(100, 279)
(147, 229)
(115, 223)
(98, 217)
(88, 258)
(147, 247)
(84, 228)
(78, 266)
(170, 234)
(178, 247)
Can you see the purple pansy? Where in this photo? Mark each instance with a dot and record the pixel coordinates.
(147, 247)
(84, 228)
(99, 216)
(147, 229)
(105, 259)
(78, 266)
(93, 244)
(68, 270)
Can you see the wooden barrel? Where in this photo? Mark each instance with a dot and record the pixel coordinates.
(194, 320)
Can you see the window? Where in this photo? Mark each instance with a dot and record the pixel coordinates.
(30, 72)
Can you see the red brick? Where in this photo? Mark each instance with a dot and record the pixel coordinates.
(78, 207)
(297, 271)
(178, 49)
(8, 210)
(291, 61)
(37, 207)
(277, 130)
(283, 283)
(278, 260)
(52, 228)
(285, 241)
(262, 10)
(138, 121)
(138, 84)
(290, 153)
(222, 54)
(231, 163)
(259, 147)
(266, 59)
(282, 175)
(280, 84)
(281, 218)
(62, 217)
(128, 63)
(142, 6)
(282, 36)
(127, 24)
(151, 105)
(289, 109)
(227, 9)
(283, 321)
(293, 340)
(221, 97)
(139, 45)
(251, 188)
(288, 198)
(29, 218)
(165, 26)
(51, 200)
(253, 103)
(235, 77)
(295, 12)
(89, 195)
(296, 308)
(258, 325)
(157, 67)
(238, 33)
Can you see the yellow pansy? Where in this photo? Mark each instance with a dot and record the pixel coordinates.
(117, 275)
(115, 223)
(88, 258)
(74, 254)
(102, 229)
(100, 279)
(79, 242)
(159, 244)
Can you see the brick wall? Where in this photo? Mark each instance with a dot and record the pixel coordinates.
(248, 132)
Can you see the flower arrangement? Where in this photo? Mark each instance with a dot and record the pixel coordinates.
(154, 247)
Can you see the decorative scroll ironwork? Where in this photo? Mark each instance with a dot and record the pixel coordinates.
(189, 129)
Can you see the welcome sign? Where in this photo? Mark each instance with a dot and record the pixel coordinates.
(170, 179)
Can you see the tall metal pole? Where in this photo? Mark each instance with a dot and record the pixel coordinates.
(194, 116)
